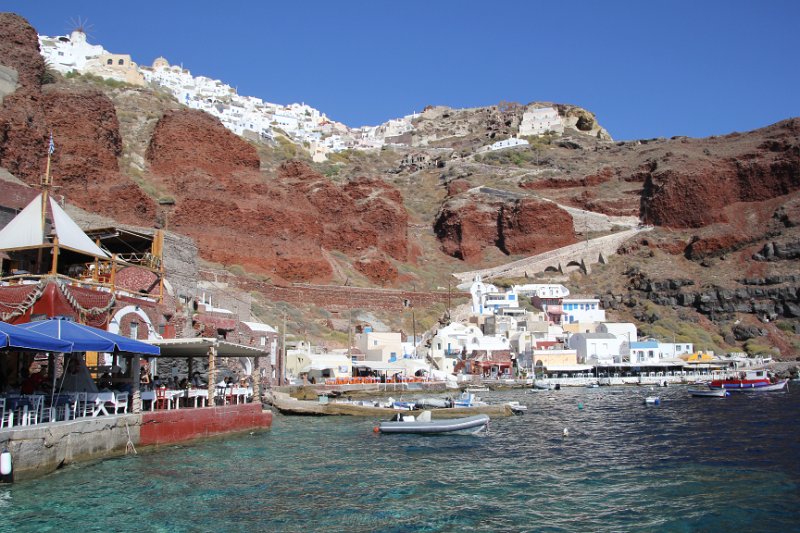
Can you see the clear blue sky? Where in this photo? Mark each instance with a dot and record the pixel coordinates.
(646, 68)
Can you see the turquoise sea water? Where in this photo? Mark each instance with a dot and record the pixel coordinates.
(690, 464)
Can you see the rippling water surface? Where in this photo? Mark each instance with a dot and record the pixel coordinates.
(690, 464)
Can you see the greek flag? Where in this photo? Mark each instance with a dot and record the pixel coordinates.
(52, 147)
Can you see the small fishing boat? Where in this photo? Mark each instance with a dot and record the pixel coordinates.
(543, 385)
(423, 424)
(517, 408)
(652, 400)
(751, 380)
(709, 393)
(439, 403)
(592, 386)
(467, 399)
(477, 389)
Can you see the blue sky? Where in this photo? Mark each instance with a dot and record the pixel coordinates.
(647, 68)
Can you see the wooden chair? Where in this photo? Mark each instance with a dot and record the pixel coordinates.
(162, 400)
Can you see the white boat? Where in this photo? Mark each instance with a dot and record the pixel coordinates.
(711, 393)
(517, 408)
(425, 426)
(652, 400)
(780, 385)
(477, 389)
(592, 385)
(543, 385)
(434, 402)
(467, 399)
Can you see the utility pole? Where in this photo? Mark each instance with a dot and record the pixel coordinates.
(448, 302)
(414, 330)
(349, 333)
(282, 360)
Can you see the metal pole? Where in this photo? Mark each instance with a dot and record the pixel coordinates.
(414, 330)
(282, 377)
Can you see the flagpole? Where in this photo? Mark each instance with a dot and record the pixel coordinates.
(45, 191)
(46, 182)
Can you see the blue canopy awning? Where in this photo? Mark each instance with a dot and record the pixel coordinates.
(15, 337)
(86, 338)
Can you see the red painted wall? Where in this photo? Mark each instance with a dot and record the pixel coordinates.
(179, 425)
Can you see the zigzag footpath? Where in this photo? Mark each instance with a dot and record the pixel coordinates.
(579, 255)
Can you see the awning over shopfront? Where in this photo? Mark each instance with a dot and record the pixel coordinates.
(199, 346)
(19, 338)
(86, 338)
(340, 363)
(568, 368)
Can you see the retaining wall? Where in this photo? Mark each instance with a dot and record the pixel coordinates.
(41, 449)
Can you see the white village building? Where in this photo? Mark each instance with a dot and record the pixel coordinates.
(540, 121)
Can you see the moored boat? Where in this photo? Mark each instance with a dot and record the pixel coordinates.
(467, 399)
(425, 426)
(652, 400)
(751, 380)
(709, 393)
(517, 408)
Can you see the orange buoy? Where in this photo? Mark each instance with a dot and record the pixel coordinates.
(376, 429)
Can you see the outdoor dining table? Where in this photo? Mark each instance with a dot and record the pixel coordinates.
(150, 395)
(100, 399)
(195, 394)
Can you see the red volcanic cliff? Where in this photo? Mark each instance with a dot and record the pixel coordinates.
(470, 222)
(277, 225)
(23, 129)
(85, 130)
(682, 192)
(191, 142)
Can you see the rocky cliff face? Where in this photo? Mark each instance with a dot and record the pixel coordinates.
(84, 126)
(279, 225)
(683, 192)
(470, 222)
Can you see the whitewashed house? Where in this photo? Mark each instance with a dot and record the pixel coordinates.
(626, 331)
(384, 347)
(674, 350)
(596, 348)
(582, 310)
(69, 53)
(511, 142)
(487, 298)
(540, 121)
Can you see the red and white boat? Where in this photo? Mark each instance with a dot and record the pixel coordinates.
(750, 380)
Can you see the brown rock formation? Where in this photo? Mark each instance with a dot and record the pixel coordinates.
(188, 141)
(23, 128)
(276, 225)
(469, 223)
(691, 193)
(19, 49)
(84, 126)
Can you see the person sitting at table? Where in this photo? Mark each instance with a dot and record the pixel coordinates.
(31, 382)
(184, 384)
(105, 382)
(196, 381)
